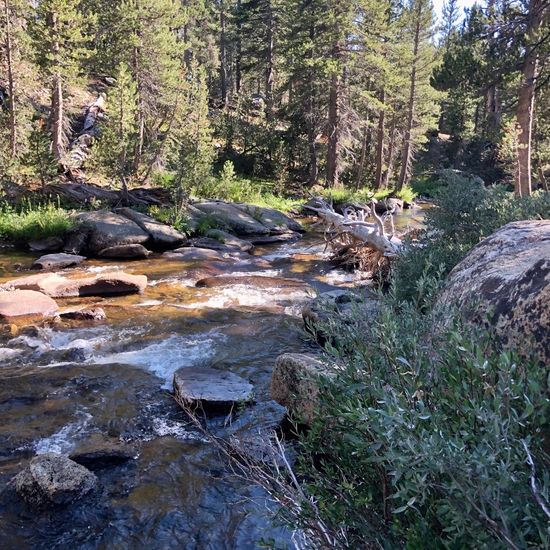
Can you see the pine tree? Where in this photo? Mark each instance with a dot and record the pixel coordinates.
(114, 149)
(17, 79)
(419, 30)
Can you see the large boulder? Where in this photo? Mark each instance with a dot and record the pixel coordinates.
(26, 304)
(57, 261)
(295, 384)
(52, 479)
(105, 284)
(162, 236)
(275, 221)
(504, 284)
(233, 217)
(107, 229)
(48, 244)
(212, 388)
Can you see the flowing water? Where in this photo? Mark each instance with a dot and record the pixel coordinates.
(64, 387)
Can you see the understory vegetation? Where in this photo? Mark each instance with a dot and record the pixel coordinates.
(428, 436)
(31, 221)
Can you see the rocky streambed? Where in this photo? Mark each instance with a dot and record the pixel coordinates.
(98, 389)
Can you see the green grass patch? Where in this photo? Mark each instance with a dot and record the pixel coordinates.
(33, 221)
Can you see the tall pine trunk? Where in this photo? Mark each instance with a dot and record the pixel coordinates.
(223, 55)
(363, 158)
(11, 83)
(391, 154)
(380, 143)
(57, 110)
(526, 98)
(239, 56)
(333, 153)
(270, 62)
(407, 137)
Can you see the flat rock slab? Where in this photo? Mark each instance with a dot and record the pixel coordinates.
(252, 280)
(57, 261)
(210, 387)
(99, 452)
(274, 239)
(233, 217)
(162, 236)
(274, 220)
(230, 240)
(125, 252)
(27, 304)
(109, 229)
(56, 286)
(52, 479)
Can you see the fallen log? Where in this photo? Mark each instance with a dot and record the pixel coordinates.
(353, 225)
(358, 243)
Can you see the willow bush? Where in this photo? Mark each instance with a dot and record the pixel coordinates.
(423, 438)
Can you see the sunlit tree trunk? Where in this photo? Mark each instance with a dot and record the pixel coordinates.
(526, 98)
(11, 83)
(406, 159)
(380, 143)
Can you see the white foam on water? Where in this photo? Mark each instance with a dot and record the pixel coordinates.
(64, 440)
(102, 268)
(9, 353)
(164, 427)
(148, 303)
(166, 356)
(247, 296)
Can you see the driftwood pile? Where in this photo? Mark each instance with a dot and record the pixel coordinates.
(355, 241)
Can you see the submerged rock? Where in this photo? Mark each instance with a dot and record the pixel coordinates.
(274, 239)
(53, 479)
(84, 314)
(210, 387)
(58, 261)
(26, 304)
(295, 384)
(125, 252)
(162, 236)
(503, 284)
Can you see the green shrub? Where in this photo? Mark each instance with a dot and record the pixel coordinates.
(464, 213)
(422, 437)
(33, 221)
(174, 216)
(406, 194)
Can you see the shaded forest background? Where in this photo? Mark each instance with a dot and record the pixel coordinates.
(363, 93)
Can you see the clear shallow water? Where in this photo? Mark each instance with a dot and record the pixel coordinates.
(64, 386)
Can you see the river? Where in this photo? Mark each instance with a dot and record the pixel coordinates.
(72, 385)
